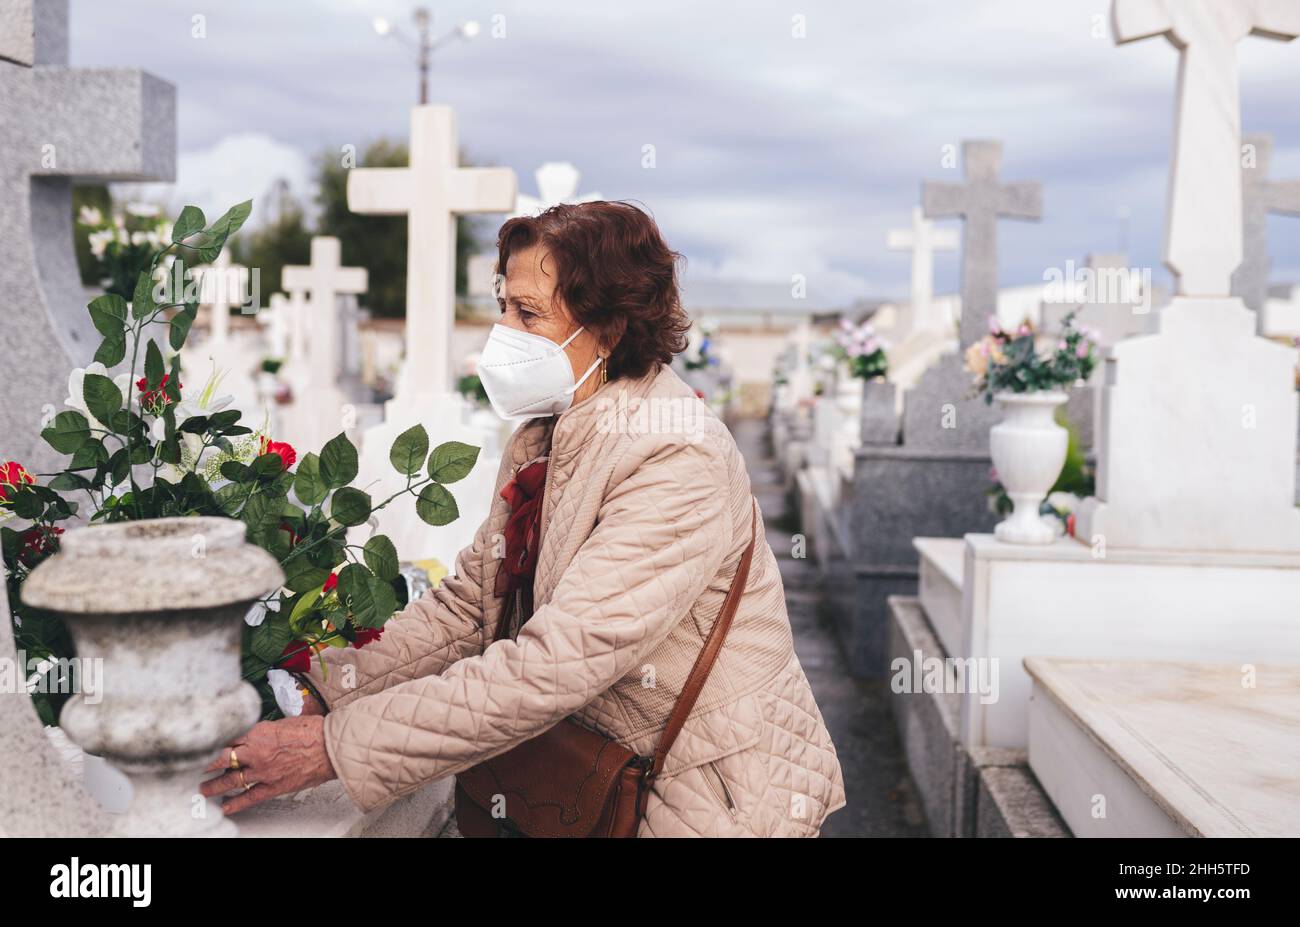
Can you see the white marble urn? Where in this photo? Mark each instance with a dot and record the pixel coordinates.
(161, 603)
(1028, 449)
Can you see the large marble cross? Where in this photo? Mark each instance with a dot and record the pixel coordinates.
(981, 201)
(1260, 196)
(1203, 229)
(325, 279)
(58, 124)
(431, 192)
(923, 239)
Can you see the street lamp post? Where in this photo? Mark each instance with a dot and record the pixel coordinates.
(425, 41)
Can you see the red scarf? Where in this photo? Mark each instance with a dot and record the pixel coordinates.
(523, 529)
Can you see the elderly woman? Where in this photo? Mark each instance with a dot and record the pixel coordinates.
(622, 521)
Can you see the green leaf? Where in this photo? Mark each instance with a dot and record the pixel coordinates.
(338, 461)
(231, 496)
(350, 506)
(180, 327)
(208, 248)
(27, 504)
(435, 505)
(67, 433)
(356, 590)
(407, 452)
(271, 637)
(307, 482)
(142, 300)
(190, 220)
(112, 349)
(385, 602)
(268, 465)
(236, 472)
(301, 576)
(233, 219)
(89, 455)
(108, 313)
(101, 395)
(452, 461)
(381, 556)
(153, 364)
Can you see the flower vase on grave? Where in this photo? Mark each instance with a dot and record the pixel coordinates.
(1028, 449)
(168, 636)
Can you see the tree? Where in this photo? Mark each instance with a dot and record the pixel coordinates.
(282, 239)
(377, 243)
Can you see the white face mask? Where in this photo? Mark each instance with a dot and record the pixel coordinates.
(527, 375)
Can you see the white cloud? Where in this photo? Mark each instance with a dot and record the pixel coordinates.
(243, 166)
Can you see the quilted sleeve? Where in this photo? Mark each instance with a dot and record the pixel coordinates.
(661, 535)
(434, 631)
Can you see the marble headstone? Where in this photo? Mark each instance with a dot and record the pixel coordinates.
(59, 125)
(1260, 196)
(927, 476)
(1197, 440)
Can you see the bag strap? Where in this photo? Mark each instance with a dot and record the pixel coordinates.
(708, 654)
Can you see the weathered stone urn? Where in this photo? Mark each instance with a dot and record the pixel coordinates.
(161, 603)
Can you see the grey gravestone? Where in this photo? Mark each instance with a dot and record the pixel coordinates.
(58, 125)
(1259, 197)
(931, 481)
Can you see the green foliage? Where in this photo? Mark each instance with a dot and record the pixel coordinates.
(203, 461)
(1011, 362)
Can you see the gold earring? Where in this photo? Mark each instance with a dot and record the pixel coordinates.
(604, 370)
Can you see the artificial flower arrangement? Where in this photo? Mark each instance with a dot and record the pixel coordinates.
(1004, 361)
(864, 352)
(703, 358)
(141, 446)
(124, 244)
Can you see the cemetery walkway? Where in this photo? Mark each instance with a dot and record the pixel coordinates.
(882, 801)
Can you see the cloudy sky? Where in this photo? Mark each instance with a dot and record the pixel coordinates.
(774, 154)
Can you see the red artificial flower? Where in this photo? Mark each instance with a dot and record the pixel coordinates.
(153, 401)
(1069, 524)
(367, 636)
(287, 454)
(296, 657)
(699, 394)
(36, 542)
(330, 584)
(13, 475)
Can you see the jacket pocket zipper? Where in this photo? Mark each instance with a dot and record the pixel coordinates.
(725, 796)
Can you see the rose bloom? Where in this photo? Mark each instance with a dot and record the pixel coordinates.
(977, 359)
(12, 475)
(287, 454)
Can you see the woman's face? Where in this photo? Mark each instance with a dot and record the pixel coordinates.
(529, 304)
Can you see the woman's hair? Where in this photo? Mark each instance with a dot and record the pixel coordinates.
(615, 274)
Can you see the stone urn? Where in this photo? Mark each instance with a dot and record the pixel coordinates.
(1028, 449)
(161, 603)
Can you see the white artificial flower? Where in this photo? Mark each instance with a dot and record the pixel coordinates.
(99, 241)
(207, 402)
(139, 238)
(286, 691)
(144, 210)
(90, 215)
(76, 397)
(257, 614)
(1064, 502)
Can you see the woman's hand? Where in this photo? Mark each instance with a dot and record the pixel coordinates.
(275, 758)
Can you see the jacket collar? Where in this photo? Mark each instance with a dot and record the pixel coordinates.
(576, 426)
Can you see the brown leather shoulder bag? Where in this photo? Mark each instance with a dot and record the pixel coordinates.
(574, 782)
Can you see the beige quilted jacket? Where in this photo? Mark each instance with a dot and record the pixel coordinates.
(645, 516)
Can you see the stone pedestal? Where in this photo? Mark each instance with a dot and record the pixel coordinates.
(169, 638)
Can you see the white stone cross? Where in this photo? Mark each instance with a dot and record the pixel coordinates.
(1203, 227)
(557, 182)
(981, 201)
(325, 279)
(431, 192)
(223, 286)
(923, 239)
(1260, 196)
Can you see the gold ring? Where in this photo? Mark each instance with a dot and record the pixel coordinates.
(234, 760)
(243, 782)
